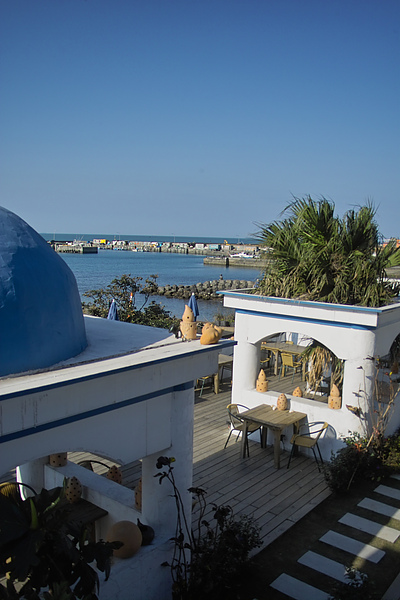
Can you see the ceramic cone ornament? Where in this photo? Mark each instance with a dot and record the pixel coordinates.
(114, 474)
(210, 334)
(73, 490)
(281, 403)
(334, 399)
(262, 383)
(188, 314)
(298, 392)
(58, 460)
(188, 325)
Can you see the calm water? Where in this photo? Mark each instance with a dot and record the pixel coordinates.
(93, 271)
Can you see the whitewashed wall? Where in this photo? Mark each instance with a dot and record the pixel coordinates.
(135, 406)
(354, 334)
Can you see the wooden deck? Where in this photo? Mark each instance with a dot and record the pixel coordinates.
(252, 486)
(276, 498)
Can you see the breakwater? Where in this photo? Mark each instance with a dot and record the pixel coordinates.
(203, 291)
(234, 261)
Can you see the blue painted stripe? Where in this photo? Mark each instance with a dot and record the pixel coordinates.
(308, 303)
(51, 386)
(93, 413)
(305, 320)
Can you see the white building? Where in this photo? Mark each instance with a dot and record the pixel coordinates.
(124, 392)
(354, 334)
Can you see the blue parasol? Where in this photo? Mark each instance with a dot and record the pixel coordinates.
(193, 305)
(113, 313)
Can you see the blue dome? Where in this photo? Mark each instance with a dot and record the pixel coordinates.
(41, 320)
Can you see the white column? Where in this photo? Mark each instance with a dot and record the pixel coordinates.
(246, 367)
(358, 386)
(158, 508)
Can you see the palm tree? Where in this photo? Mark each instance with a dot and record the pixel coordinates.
(318, 256)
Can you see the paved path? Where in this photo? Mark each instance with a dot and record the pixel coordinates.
(363, 538)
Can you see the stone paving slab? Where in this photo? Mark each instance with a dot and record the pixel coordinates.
(388, 491)
(380, 507)
(352, 546)
(381, 531)
(297, 589)
(324, 565)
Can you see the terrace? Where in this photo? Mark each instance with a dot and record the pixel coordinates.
(276, 498)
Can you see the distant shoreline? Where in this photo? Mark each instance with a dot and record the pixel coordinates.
(85, 237)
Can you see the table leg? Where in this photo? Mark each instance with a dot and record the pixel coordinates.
(244, 439)
(296, 427)
(264, 431)
(277, 448)
(216, 383)
(276, 356)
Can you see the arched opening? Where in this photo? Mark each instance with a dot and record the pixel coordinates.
(295, 361)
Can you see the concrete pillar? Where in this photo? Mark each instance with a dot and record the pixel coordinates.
(32, 473)
(246, 368)
(158, 508)
(358, 386)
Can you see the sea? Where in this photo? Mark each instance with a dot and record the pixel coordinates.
(95, 271)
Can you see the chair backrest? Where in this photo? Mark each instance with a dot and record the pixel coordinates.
(315, 430)
(287, 359)
(11, 489)
(234, 413)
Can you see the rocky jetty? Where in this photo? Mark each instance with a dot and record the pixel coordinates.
(203, 291)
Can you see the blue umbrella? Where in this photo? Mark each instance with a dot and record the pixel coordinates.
(193, 305)
(113, 313)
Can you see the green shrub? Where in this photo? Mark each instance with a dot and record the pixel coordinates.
(363, 459)
(356, 587)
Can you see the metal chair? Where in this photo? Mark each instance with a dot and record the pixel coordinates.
(202, 382)
(288, 361)
(237, 424)
(265, 358)
(12, 490)
(315, 430)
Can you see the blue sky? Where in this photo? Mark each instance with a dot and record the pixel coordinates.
(196, 117)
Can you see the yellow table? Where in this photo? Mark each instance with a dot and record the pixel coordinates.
(276, 420)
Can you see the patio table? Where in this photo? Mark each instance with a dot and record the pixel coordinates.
(276, 420)
(285, 347)
(224, 361)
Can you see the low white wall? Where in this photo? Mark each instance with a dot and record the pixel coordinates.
(118, 500)
(340, 423)
(140, 576)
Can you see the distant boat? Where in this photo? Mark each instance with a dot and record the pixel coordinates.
(241, 255)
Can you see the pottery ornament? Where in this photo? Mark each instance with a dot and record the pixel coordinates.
(211, 334)
(282, 403)
(114, 474)
(262, 383)
(188, 314)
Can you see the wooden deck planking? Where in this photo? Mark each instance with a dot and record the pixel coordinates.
(276, 498)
